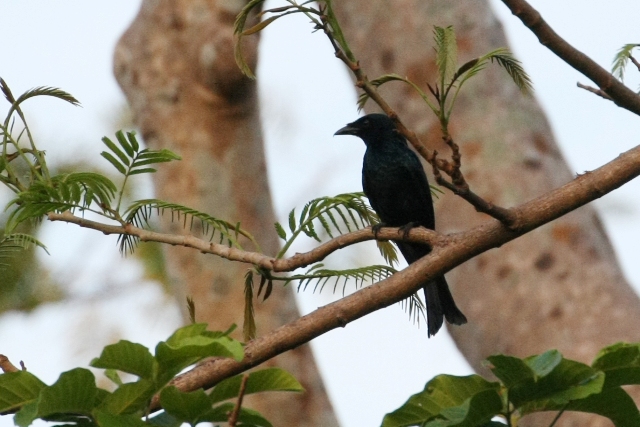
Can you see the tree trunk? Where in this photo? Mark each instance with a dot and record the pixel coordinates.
(176, 66)
(557, 287)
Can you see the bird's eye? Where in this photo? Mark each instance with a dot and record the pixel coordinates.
(366, 123)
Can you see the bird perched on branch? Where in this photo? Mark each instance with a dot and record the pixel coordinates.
(395, 183)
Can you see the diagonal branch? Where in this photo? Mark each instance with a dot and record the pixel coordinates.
(459, 248)
(362, 81)
(621, 95)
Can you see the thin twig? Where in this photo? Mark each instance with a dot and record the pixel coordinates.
(458, 185)
(635, 62)
(233, 417)
(6, 365)
(593, 90)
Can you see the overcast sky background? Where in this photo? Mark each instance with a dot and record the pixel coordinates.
(372, 365)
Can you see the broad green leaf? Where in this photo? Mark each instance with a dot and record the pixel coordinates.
(165, 420)
(270, 379)
(75, 392)
(190, 344)
(445, 397)
(129, 357)
(620, 363)
(569, 380)
(107, 419)
(18, 389)
(129, 398)
(188, 407)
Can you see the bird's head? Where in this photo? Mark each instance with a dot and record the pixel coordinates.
(370, 128)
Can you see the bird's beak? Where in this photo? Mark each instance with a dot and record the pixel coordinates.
(347, 130)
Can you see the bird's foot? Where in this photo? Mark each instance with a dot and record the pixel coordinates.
(405, 229)
(376, 228)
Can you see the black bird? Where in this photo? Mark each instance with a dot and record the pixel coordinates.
(395, 183)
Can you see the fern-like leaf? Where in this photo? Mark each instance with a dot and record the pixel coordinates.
(12, 243)
(446, 53)
(48, 91)
(320, 276)
(385, 78)
(238, 29)
(621, 59)
(513, 67)
(65, 192)
(139, 214)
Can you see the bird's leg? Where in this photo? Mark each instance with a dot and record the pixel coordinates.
(405, 229)
(376, 228)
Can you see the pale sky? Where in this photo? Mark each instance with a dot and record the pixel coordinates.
(69, 44)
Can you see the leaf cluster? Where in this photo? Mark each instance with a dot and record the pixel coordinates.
(74, 398)
(547, 382)
(452, 77)
(621, 60)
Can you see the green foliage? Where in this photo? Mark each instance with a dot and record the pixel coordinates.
(621, 60)
(139, 214)
(11, 243)
(339, 214)
(547, 382)
(450, 80)
(75, 398)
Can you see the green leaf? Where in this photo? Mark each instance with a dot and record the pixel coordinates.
(122, 156)
(124, 143)
(456, 401)
(249, 325)
(513, 67)
(550, 379)
(75, 392)
(446, 53)
(191, 344)
(106, 419)
(129, 357)
(143, 170)
(620, 363)
(129, 398)
(188, 407)
(165, 420)
(131, 136)
(270, 379)
(18, 389)
(238, 29)
(48, 91)
(621, 59)
(613, 403)
(116, 164)
(260, 26)
(281, 233)
(292, 220)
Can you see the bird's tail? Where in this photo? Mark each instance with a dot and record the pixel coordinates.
(440, 305)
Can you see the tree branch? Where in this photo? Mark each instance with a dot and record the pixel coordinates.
(621, 95)
(481, 205)
(416, 235)
(460, 247)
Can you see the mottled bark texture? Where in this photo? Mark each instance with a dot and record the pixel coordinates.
(175, 64)
(557, 287)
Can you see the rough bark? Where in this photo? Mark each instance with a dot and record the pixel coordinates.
(175, 64)
(557, 287)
